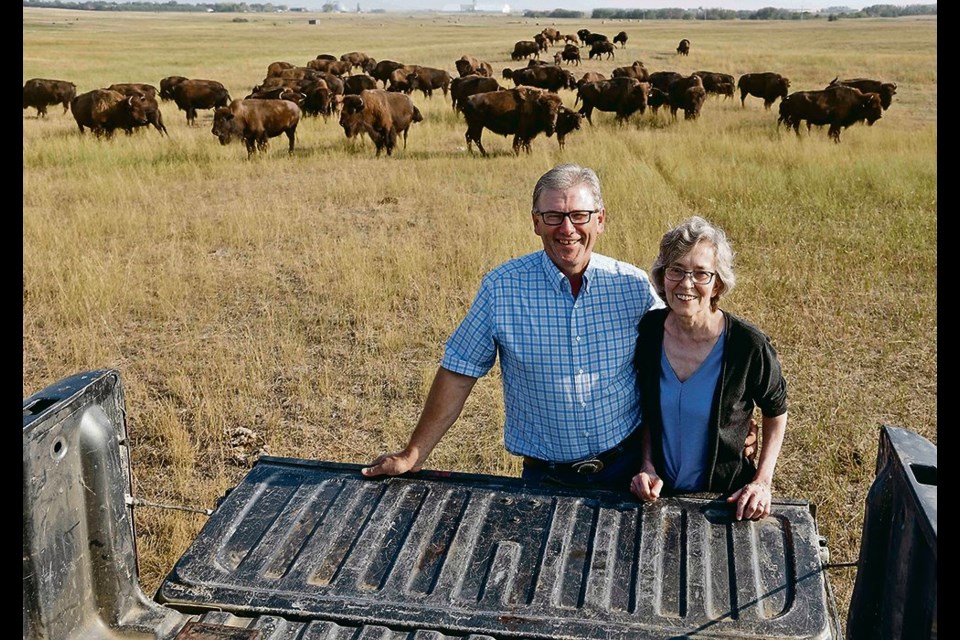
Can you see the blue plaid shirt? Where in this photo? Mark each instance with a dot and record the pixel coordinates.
(569, 381)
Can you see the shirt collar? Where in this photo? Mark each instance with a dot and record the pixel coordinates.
(558, 280)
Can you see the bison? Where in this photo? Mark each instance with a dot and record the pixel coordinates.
(359, 60)
(255, 122)
(382, 70)
(570, 53)
(336, 67)
(194, 94)
(767, 85)
(523, 112)
(382, 115)
(541, 41)
(568, 121)
(622, 96)
(886, 90)
(462, 88)
(601, 47)
(167, 85)
(468, 65)
(353, 85)
(426, 79)
(636, 70)
(552, 34)
(837, 106)
(40, 93)
(549, 77)
(592, 38)
(103, 111)
(716, 83)
(152, 109)
(683, 49)
(621, 39)
(274, 68)
(524, 49)
(662, 79)
(686, 94)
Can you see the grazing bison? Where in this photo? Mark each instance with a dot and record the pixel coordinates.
(552, 35)
(541, 41)
(40, 93)
(336, 67)
(274, 68)
(601, 47)
(523, 112)
(400, 79)
(279, 93)
(462, 88)
(167, 85)
(838, 106)
(622, 96)
(593, 38)
(255, 122)
(686, 94)
(662, 79)
(549, 77)
(468, 65)
(636, 70)
(383, 69)
(353, 85)
(766, 85)
(570, 53)
(426, 79)
(194, 94)
(103, 111)
(716, 83)
(524, 49)
(683, 48)
(621, 39)
(568, 121)
(359, 60)
(382, 115)
(150, 105)
(656, 99)
(590, 76)
(885, 89)
(318, 98)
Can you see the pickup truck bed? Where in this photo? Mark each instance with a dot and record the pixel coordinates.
(311, 550)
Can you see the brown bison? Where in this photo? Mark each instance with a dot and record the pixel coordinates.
(568, 121)
(193, 94)
(359, 60)
(886, 89)
(382, 115)
(636, 70)
(336, 67)
(683, 49)
(766, 85)
(104, 111)
(274, 68)
(589, 76)
(716, 83)
(468, 65)
(622, 96)
(426, 79)
(601, 47)
(167, 85)
(523, 112)
(570, 53)
(353, 85)
(541, 41)
(662, 79)
(582, 34)
(552, 35)
(524, 49)
(592, 38)
(382, 70)
(621, 39)
(549, 77)
(462, 88)
(40, 93)
(838, 106)
(151, 107)
(686, 94)
(255, 122)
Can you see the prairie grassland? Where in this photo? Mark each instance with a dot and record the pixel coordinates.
(307, 298)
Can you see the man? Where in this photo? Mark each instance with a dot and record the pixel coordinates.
(564, 324)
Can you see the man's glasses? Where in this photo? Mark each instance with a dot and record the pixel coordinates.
(555, 218)
(676, 274)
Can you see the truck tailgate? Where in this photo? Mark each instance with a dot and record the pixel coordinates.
(461, 554)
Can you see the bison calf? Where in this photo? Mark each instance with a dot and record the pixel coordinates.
(255, 122)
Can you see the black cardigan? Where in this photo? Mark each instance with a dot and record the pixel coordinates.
(750, 376)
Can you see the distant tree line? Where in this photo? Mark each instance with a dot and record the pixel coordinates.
(172, 5)
(767, 13)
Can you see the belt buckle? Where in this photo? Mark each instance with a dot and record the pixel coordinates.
(590, 466)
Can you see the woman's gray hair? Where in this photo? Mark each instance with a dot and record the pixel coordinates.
(567, 176)
(679, 241)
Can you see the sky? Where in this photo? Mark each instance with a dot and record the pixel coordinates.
(587, 5)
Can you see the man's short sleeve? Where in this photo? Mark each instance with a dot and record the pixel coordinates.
(472, 350)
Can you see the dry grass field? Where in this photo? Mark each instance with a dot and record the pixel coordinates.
(299, 305)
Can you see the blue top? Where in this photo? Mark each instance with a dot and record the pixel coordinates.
(569, 381)
(686, 407)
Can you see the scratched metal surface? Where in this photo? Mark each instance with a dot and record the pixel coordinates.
(463, 554)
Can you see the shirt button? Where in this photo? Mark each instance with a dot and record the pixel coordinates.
(578, 338)
(580, 372)
(583, 404)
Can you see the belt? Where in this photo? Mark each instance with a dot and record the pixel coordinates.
(587, 466)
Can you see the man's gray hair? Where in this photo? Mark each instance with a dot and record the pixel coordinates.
(567, 176)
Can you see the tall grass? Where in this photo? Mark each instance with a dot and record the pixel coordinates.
(307, 298)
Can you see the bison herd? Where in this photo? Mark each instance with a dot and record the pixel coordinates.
(373, 97)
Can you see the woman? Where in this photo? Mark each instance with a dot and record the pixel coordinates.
(701, 371)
